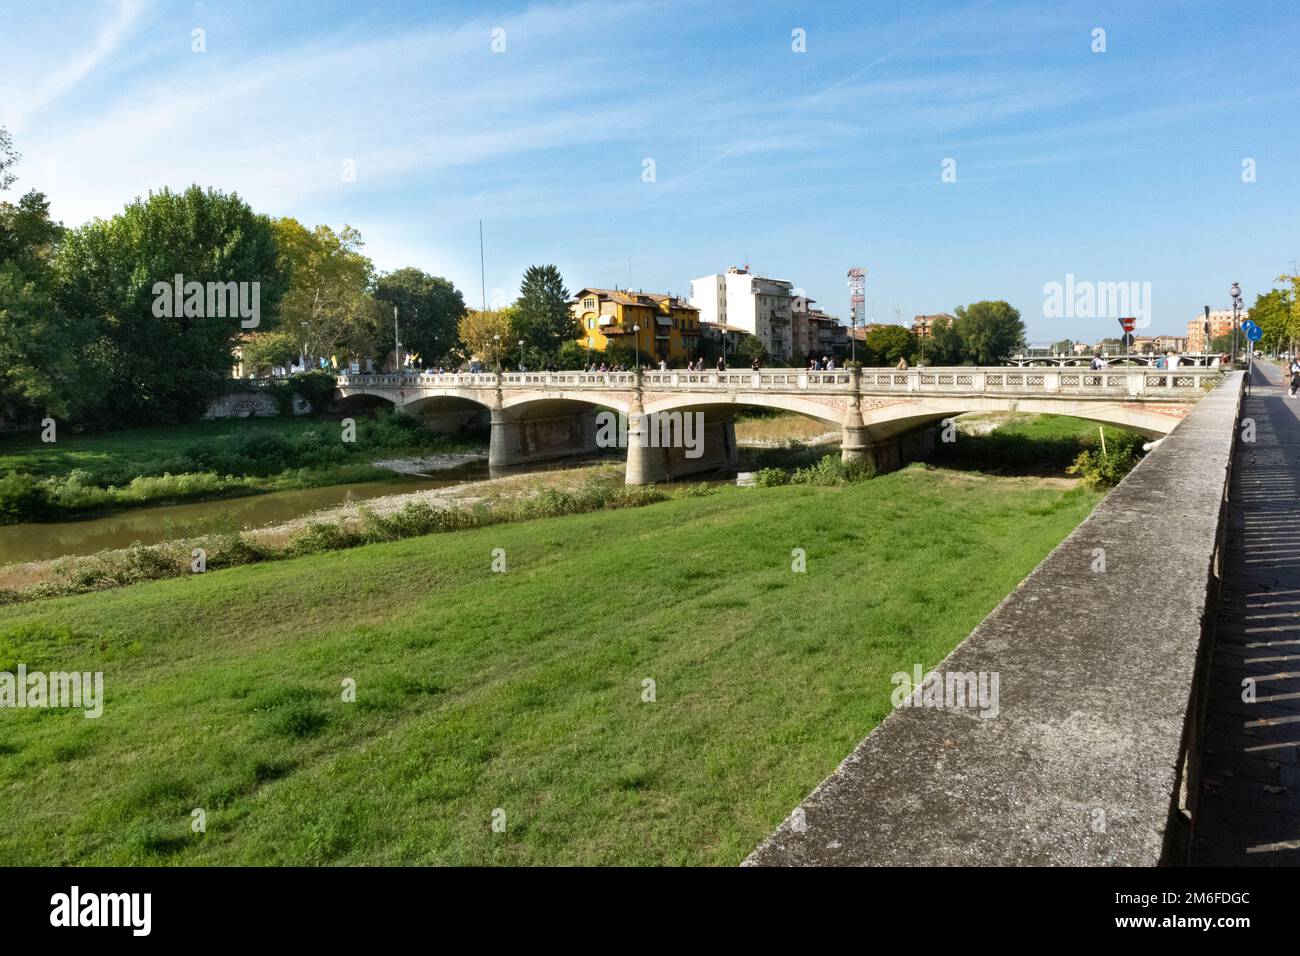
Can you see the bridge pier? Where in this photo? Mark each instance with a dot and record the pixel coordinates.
(519, 441)
(504, 449)
(645, 465)
(855, 444)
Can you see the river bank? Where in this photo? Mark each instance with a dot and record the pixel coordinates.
(443, 495)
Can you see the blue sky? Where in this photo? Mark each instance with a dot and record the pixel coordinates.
(1117, 166)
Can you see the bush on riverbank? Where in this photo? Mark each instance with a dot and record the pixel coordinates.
(828, 470)
(1106, 469)
(22, 498)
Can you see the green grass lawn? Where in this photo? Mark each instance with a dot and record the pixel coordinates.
(520, 691)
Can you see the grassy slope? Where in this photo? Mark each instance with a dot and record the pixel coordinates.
(519, 691)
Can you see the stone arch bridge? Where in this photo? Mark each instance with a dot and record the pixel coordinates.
(542, 415)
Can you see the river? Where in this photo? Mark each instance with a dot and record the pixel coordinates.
(40, 542)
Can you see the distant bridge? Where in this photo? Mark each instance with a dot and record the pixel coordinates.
(543, 415)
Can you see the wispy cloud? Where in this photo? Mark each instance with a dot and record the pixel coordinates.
(48, 88)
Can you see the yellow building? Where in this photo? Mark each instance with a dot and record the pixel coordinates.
(669, 329)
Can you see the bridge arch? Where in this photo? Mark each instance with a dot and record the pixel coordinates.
(821, 410)
(365, 398)
(886, 418)
(451, 400)
(531, 404)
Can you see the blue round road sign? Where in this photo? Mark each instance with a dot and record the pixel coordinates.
(1254, 333)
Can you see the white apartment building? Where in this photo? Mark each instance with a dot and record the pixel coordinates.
(760, 306)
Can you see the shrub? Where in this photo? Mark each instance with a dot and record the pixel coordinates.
(1105, 469)
(771, 477)
(316, 387)
(23, 497)
(832, 470)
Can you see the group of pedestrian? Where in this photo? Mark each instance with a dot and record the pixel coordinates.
(825, 364)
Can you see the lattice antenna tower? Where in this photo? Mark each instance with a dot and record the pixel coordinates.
(857, 296)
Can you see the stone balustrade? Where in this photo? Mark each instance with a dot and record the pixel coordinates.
(1000, 380)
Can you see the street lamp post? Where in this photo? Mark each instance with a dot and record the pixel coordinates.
(636, 339)
(496, 349)
(589, 351)
(1235, 292)
(521, 355)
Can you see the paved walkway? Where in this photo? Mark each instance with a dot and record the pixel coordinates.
(1249, 809)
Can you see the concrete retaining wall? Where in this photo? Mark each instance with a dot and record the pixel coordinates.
(1100, 696)
(252, 404)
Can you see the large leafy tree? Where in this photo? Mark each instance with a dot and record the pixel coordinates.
(327, 306)
(544, 320)
(886, 344)
(1293, 323)
(1272, 313)
(165, 368)
(8, 156)
(47, 358)
(990, 331)
(430, 309)
(944, 345)
(488, 336)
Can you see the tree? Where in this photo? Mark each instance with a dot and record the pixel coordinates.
(990, 331)
(545, 321)
(618, 354)
(945, 346)
(162, 366)
(748, 349)
(1272, 313)
(1293, 322)
(47, 359)
(1222, 343)
(327, 307)
(8, 156)
(571, 355)
(429, 309)
(487, 335)
(263, 350)
(888, 343)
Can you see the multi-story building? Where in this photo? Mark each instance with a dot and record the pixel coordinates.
(802, 328)
(814, 332)
(760, 306)
(921, 324)
(832, 337)
(661, 326)
(1171, 343)
(1219, 322)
